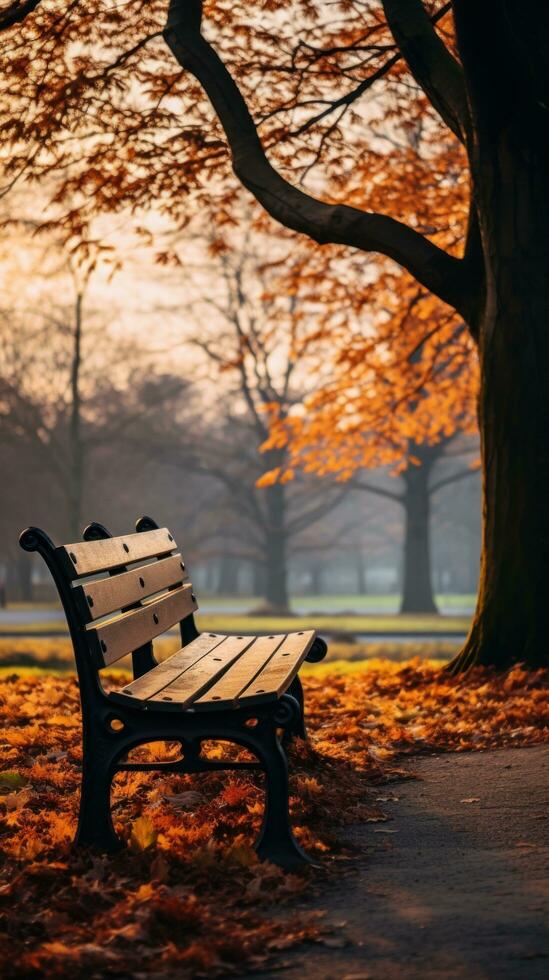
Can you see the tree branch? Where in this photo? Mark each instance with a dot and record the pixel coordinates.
(16, 13)
(304, 520)
(364, 85)
(432, 65)
(371, 488)
(453, 478)
(325, 223)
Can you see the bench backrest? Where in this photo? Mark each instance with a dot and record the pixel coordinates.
(118, 593)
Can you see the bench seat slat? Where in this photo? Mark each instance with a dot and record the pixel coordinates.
(90, 557)
(216, 671)
(169, 670)
(224, 693)
(184, 691)
(114, 639)
(280, 670)
(97, 599)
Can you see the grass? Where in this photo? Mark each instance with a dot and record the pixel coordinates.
(320, 604)
(339, 623)
(333, 603)
(41, 626)
(22, 606)
(226, 623)
(39, 655)
(345, 668)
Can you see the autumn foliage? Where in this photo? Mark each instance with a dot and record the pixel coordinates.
(188, 894)
(102, 119)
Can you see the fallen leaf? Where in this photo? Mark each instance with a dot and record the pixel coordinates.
(185, 801)
(143, 834)
(14, 801)
(11, 780)
(332, 942)
(199, 878)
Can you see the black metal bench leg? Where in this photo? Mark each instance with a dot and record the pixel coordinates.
(276, 842)
(95, 826)
(298, 729)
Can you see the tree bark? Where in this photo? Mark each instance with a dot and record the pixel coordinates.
(417, 589)
(510, 622)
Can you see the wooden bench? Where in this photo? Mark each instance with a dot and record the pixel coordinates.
(119, 594)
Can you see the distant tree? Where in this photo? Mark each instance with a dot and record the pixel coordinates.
(387, 399)
(259, 344)
(419, 483)
(73, 396)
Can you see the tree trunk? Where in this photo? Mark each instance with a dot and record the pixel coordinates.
(276, 590)
(276, 579)
(76, 465)
(315, 579)
(510, 622)
(227, 579)
(259, 578)
(361, 582)
(24, 577)
(417, 590)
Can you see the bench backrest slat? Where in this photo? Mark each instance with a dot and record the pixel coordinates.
(107, 595)
(91, 557)
(114, 639)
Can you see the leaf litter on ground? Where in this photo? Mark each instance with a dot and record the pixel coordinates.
(188, 896)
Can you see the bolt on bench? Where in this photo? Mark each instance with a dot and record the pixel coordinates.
(119, 594)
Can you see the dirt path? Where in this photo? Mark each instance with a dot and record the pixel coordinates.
(458, 889)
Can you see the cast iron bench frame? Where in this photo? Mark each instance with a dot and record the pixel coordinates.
(112, 725)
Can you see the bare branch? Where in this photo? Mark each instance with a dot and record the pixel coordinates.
(324, 223)
(16, 13)
(372, 488)
(311, 516)
(432, 65)
(364, 85)
(452, 478)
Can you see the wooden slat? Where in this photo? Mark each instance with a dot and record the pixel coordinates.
(183, 691)
(280, 670)
(97, 599)
(117, 637)
(89, 557)
(169, 670)
(224, 693)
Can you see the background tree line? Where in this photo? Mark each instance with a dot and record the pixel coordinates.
(93, 425)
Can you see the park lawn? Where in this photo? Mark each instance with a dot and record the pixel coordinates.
(23, 605)
(243, 623)
(408, 623)
(337, 667)
(326, 604)
(317, 602)
(54, 654)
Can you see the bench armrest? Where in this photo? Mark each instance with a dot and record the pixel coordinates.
(318, 651)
